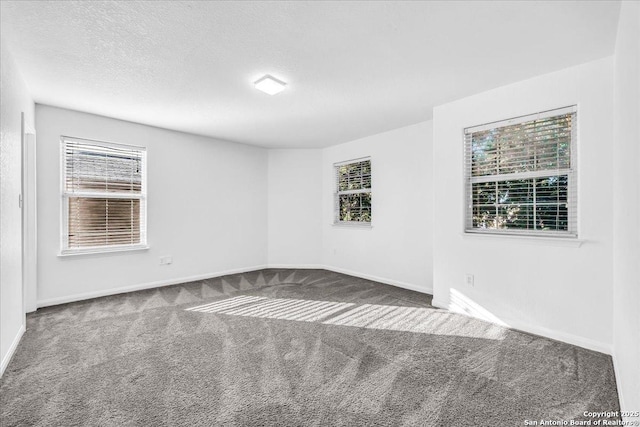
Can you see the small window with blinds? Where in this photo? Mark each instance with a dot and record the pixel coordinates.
(103, 196)
(520, 175)
(353, 192)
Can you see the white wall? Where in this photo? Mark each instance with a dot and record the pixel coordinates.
(295, 207)
(29, 214)
(626, 203)
(248, 207)
(207, 207)
(14, 100)
(551, 289)
(397, 249)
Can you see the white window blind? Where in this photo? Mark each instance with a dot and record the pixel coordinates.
(520, 175)
(353, 191)
(103, 196)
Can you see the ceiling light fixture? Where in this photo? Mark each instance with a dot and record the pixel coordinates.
(269, 84)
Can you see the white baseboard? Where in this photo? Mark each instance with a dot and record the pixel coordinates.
(439, 304)
(31, 307)
(106, 292)
(621, 399)
(513, 323)
(12, 349)
(405, 285)
(618, 385)
(298, 266)
(543, 332)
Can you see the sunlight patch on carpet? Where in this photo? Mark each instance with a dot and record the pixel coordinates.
(274, 308)
(369, 316)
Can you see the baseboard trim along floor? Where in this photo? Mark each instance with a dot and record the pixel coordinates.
(512, 323)
(543, 332)
(132, 288)
(12, 349)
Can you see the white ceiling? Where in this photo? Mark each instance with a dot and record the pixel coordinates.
(353, 68)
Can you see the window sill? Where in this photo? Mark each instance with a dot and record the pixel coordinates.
(102, 251)
(570, 242)
(353, 224)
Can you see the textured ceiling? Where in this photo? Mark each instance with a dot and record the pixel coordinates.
(353, 68)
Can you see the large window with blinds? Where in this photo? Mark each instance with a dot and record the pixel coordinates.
(353, 192)
(103, 196)
(521, 175)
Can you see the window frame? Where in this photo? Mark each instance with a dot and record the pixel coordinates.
(571, 172)
(337, 193)
(65, 250)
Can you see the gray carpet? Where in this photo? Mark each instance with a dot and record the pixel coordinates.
(290, 348)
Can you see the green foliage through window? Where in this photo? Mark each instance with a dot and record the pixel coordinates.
(520, 175)
(353, 195)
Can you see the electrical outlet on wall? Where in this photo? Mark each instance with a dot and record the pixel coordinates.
(166, 260)
(468, 279)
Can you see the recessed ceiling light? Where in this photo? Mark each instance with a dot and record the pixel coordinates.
(269, 84)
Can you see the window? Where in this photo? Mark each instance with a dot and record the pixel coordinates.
(353, 192)
(520, 175)
(103, 196)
